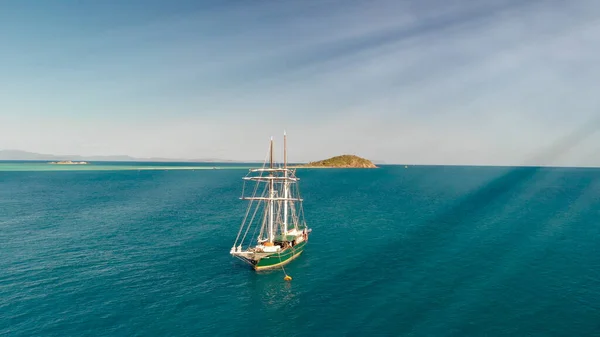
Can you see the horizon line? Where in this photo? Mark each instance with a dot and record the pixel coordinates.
(408, 165)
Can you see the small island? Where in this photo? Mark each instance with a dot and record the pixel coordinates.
(68, 162)
(343, 161)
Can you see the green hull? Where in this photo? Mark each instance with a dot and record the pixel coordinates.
(276, 260)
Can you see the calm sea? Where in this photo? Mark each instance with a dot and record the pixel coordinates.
(395, 251)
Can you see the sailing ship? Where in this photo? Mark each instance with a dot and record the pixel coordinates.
(277, 216)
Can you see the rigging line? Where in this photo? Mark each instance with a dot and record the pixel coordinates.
(251, 220)
(264, 218)
(291, 257)
(292, 212)
(282, 267)
(262, 225)
(249, 206)
(254, 215)
(243, 222)
(245, 218)
(279, 216)
(301, 213)
(250, 224)
(253, 234)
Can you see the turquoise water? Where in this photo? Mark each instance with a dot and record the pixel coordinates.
(422, 251)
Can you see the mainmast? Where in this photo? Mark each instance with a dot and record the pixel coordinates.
(285, 183)
(271, 196)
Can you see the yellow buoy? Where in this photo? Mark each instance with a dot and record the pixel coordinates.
(287, 278)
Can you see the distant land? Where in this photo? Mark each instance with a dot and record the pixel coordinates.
(32, 156)
(24, 155)
(343, 161)
(68, 162)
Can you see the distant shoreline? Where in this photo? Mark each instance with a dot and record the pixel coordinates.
(24, 166)
(68, 162)
(255, 164)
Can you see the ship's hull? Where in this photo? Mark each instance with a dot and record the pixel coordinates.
(276, 260)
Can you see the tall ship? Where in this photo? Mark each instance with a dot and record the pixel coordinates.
(273, 231)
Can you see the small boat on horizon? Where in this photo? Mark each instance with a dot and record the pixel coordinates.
(282, 230)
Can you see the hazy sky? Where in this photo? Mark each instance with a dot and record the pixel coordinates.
(423, 81)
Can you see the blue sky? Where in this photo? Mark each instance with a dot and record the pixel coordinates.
(431, 82)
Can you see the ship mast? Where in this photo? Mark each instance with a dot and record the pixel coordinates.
(271, 196)
(285, 183)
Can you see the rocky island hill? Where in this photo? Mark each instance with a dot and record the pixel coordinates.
(343, 161)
